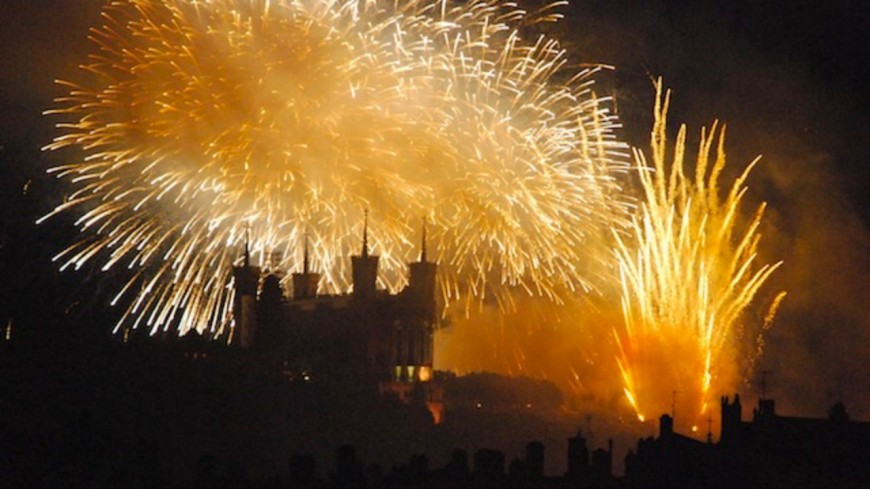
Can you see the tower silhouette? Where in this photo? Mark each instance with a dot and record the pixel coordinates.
(305, 283)
(365, 267)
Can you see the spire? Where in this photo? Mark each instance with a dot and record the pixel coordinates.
(247, 245)
(365, 246)
(305, 281)
(305, 255)
(423, 243)
(365, 267)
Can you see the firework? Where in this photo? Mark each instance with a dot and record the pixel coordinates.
(687, 273)
(198, 120)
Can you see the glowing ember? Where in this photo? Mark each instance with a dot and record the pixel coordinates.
(200, 119)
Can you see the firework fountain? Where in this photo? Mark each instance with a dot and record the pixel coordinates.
(198, 120)
(677, 328)
(687, 271)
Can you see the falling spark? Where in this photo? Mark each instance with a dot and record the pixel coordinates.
(197, 120)
(688, 271)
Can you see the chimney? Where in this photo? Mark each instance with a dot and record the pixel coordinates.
(666, 426)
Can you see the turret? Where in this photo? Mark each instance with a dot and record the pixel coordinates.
(766, 410)
(305, 283)
(247, 278)
(731, 416)
(421, 283)
(365, 267)
(413, 342)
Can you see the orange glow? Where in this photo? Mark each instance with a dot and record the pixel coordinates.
(437, 411)
(425, 374)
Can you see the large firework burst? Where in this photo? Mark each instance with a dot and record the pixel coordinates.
(197, 120)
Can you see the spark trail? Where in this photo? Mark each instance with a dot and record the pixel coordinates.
(688, 271)
(196, 120)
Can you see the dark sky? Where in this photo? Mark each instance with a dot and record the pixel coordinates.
(790, 79)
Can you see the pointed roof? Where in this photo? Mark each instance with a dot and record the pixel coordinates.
(305, 255)
(247, 261)
(365, 243)
(423, 244)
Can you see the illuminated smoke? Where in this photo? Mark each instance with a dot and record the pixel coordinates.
(197, 120)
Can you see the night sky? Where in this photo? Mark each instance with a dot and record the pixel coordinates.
(789, 78)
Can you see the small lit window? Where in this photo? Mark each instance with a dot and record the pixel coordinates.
(425, 374)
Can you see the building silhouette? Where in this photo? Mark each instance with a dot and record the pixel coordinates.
(589, 469)
(769, 450)
(788, 451)
(368, 337)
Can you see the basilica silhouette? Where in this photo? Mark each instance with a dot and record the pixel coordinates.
(368, 337)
